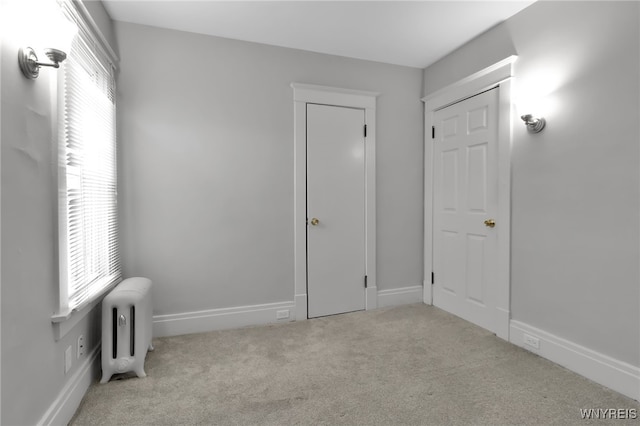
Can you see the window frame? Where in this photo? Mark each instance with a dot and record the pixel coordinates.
(64, 319)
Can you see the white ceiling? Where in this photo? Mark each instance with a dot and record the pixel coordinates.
(411, 33)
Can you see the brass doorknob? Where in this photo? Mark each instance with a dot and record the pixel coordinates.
(315, 221)
(490, 223)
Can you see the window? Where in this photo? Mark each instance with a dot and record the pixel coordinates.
(87, 205)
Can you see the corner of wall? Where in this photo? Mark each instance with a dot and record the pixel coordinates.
(483, 51)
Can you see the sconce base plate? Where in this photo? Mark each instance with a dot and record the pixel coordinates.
(28, 61)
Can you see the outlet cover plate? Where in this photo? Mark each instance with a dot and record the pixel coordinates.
(531, 341)
(284, 314)
(80, 346)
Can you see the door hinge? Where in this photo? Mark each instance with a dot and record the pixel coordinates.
(433, 278)
(365, 130)
(433, 132)
(365, 281)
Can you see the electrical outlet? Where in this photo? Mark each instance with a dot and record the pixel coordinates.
(80, 351)
(531, 341)
(68, 359)
(284, 314)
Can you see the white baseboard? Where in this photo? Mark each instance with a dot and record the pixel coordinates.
(612, 373)
(69, 398)
(219, 319)
(400, 296)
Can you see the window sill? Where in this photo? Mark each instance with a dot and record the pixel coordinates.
(63, 322)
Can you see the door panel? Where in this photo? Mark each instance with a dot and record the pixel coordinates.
(475, 268)
(476, 178)
(465, 195)
(450, 180)
(450, 272)
(336, 197)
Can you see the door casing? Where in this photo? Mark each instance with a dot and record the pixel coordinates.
(314, 94)
(498, 75)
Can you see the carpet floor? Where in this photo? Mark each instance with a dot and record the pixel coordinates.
(407, 365)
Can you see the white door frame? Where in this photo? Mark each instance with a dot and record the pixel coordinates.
(498, 75)
(310, 93)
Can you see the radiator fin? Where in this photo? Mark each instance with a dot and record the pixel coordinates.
(132, 331)
(114, 334)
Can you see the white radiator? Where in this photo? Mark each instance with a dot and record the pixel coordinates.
(126, 328)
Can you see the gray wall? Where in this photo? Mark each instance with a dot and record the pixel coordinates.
(32, 360)
(575, 186)
(206, 165)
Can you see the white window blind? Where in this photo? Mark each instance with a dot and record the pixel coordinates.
(89, 254)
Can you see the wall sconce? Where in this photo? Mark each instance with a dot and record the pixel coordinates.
(534, 125)
(50, 26)
(30, 65)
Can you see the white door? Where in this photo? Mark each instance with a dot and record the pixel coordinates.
(335, 210)
(465, 205)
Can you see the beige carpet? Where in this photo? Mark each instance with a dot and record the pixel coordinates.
(412, 364)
